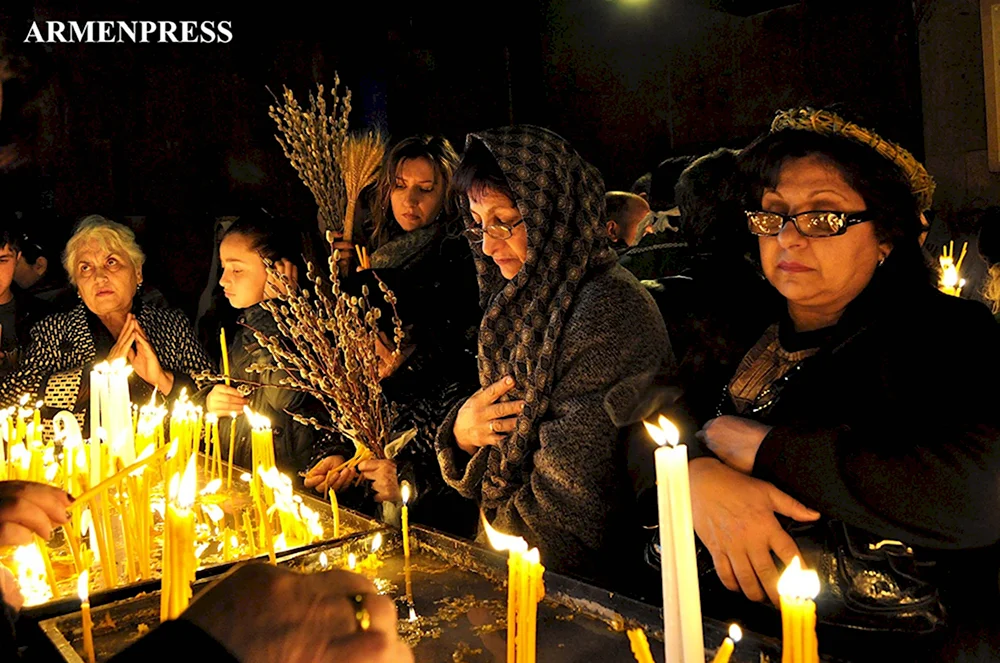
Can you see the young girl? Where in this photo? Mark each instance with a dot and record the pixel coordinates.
(246, 285)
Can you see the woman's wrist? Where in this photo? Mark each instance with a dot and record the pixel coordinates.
(165, 383)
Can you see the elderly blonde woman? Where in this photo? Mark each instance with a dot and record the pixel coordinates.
(104, 263)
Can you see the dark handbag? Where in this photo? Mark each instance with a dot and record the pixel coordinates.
(867, 583)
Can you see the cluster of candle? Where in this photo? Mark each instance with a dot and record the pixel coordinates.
(525, 590)
(117, 476)
(951, 282)
(682, 628)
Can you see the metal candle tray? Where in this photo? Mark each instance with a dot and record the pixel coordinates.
(459, 607)
(351, 522)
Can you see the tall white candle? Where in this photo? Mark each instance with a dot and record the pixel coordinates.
(682, 631)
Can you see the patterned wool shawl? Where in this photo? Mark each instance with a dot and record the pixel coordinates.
(561, 198)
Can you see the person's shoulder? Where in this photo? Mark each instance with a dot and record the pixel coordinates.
(615, 298)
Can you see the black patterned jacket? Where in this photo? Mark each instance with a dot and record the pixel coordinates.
(75, 340)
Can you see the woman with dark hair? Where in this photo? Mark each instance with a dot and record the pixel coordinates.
(248, 242)
(831, 416)
(568, 342)
(424, 260)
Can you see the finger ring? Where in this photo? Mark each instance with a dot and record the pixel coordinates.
(362, 617)
(492, 430)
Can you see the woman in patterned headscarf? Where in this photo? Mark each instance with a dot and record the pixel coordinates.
(568, 342)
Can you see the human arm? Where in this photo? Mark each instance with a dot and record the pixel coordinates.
(896, 456)
(264, 613)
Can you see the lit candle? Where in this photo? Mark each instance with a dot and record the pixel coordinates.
(728, 644)
(336, 513)
(524, 591)
(179, 561)
(352, 561)
(798, 589)
(232, 443)
(88, 625)
(640, 646)
(682, 633)
(405, 490)
(225, 354)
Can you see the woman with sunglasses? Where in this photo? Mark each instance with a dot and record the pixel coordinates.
(568, 341)
(853, 405)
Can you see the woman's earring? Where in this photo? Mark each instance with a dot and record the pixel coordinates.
(881, 260)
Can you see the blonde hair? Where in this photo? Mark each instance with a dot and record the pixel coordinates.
(111, 236)
(991, 290)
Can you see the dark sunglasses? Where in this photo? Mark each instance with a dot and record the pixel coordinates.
(817, 223)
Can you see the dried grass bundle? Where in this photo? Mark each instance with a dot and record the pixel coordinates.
(312, 141)
(328, 349)
(360, 160)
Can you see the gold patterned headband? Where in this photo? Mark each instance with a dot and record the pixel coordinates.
(830, 124)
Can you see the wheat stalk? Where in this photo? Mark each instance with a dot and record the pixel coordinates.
(360, 160)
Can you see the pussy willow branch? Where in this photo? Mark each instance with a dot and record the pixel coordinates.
(326, 346)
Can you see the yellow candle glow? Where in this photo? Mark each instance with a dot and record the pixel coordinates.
(225, 354)
(798, 589)
(728, 644)
(83, 589)
(179, 561)
(334, 507)
(405, 490)
(640, 646)
(682, 630)
(524, 590)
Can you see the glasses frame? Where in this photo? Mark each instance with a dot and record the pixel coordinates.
(850, 219)
(499, 231)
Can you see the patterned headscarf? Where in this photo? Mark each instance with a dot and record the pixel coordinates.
(561, 198)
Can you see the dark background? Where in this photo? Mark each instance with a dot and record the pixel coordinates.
(169, 136)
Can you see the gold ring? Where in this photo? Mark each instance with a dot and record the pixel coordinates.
(492, 430)
(362, 617)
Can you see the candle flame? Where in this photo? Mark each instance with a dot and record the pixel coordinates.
(323, 561)
(211, 487)
(31, 574)
(663, 432)
(501, 541)
(405, 490)
(413, 614)
(735, 633)
(798, 583)
(24, 399)
(83, 586)
(257, 421)
(211, 418)
(376, 541)
(532, 556)
(246, 477)
(186, 491)
(352, 561)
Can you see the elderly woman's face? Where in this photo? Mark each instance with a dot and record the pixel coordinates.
(496, 209)
(822, 274)
(417, 193)
(106, 278)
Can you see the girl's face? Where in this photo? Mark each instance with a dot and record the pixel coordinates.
(417, 193)
(244, 275)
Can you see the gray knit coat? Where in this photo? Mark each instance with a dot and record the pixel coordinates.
(576, 503)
